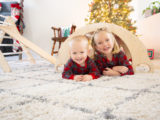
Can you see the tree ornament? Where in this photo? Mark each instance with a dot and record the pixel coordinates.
(111, 11)
(116, 6)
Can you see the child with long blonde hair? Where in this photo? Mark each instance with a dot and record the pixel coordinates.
(110, 60)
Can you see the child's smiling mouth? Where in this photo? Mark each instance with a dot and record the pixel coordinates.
(106, 48)
(79, 60)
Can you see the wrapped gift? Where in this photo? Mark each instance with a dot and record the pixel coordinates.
(151, 53)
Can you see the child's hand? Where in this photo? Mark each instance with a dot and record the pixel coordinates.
(121, 69)
(78, 77)
(87, 78)
(110, 72)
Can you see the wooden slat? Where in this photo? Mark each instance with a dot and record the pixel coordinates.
(60, 39)
(8, 37)
(55, 52)
(29, 55)
(4, 64)
(14, 33)
(7, 45)
(2, 33)
(56, 28)
(12, 53)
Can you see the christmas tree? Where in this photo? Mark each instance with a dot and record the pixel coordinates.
(111, 11)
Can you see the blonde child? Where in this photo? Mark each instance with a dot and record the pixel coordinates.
(108, 57)
(80, 67)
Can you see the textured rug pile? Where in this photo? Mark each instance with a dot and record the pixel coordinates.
(37, 92)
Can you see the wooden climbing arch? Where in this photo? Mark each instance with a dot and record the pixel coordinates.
(132, 46)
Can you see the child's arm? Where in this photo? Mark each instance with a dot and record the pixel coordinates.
(110, 72)
(87, 78)
(93, 70)
(99, 63)
(67, 72)
(121, 69)
(123, 61)
(78, 77)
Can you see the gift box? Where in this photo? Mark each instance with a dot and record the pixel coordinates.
(151, 53)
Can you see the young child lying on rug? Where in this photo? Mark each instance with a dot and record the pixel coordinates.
(80, 67)
(108, 57)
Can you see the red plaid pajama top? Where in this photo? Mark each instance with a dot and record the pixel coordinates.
(71, 68)
(119, 59)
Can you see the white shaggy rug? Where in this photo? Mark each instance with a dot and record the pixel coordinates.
(37, 92)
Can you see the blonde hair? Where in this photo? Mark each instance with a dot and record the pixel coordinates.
(79, 38)
(116, 48)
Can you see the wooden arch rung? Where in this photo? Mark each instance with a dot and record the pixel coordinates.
(8, 37)
(12, 53)
(7, 45)
(3, 63)
(132, 46)
(4, 23)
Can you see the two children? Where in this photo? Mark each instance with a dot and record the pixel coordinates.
(110, 61)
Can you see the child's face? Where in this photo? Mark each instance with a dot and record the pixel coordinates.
(103, 42)
(79, 52)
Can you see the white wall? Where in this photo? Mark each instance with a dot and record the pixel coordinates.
(139, 6)
(134, 14)
(148, 29)
(41, 15)
(142, 4)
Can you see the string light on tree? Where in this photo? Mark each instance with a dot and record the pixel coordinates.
(111, 11)
(116, 6)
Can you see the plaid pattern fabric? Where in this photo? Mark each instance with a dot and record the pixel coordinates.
(72, 68)
(119, 59)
